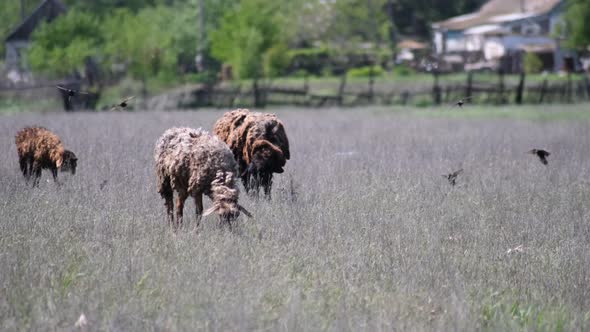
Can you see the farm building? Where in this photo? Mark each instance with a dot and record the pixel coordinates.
(501, 32)
(19, 39)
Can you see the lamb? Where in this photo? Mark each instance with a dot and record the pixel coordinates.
(39, 148)
(259, 143)
(192, 162)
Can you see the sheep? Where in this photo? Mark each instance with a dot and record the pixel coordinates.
(259, 143)
(39, 148)
(192, 162)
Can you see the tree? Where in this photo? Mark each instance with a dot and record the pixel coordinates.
(145, 42)
(246, 34)
(62, 47)
(577, 15)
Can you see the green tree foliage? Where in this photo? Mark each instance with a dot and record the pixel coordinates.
(246, 35)
(63, 45)
(532, 63)
(145, 41)
(577, 17)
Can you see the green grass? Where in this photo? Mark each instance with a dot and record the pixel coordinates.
(13, 105)
(525, 112)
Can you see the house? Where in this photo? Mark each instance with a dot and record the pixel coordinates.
(19, 39)
(502, 31)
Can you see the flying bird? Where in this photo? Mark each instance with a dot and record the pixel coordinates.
(461, 101)
(542, 154)
(452, 177)
(71, 92)
(123, 104)
(102, 184)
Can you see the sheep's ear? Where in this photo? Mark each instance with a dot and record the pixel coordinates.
(209, 211)
(243, 209)
(59, 162)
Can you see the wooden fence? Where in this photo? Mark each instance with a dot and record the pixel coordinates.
(573, 89)
(443, 91)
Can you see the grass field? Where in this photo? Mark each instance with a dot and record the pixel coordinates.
(363, 232)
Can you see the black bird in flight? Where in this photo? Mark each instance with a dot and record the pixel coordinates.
(542, 154)
(71, 92)
(452, 177)
(122, 104)
(461, 102)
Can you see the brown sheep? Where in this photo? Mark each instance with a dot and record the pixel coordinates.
(39, 148)
(192, 162)
(259, 143)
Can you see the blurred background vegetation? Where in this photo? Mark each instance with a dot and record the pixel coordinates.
(156, 42)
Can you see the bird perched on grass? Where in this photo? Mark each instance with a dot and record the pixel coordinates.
(123, 104)
(461, 102)
(542, 154)
(71, 92)
(452, 177)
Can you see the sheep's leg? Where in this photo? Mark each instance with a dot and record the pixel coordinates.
(245, 182)
(180, 207)
(165, 190)
(54, 173)
(199, 205)
(24, 167)
(267, 186)
(169, 203)
(37, 173)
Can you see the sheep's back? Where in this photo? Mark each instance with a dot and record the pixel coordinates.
(40, 142)
(191, 158)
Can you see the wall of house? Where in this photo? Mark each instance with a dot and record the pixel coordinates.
(15, 54)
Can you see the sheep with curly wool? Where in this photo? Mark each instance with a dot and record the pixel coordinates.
(39, 148)
(192, 162)
(259, 143)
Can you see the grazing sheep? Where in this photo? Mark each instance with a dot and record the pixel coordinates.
(192, 162)
(39, 148)
(259, 144)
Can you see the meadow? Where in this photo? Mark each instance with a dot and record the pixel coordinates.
(362, 234)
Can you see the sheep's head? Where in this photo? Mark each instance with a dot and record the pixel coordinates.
(266, 158)
(69, 161)
(225, 198)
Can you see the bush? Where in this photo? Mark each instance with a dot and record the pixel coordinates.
(276, 60)
(403, 70)
(365, 71)
(312, 60)
(532, 63)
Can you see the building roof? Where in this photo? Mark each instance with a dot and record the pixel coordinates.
(487, 29)
(497, 11)
(47, 11)
(411, 44)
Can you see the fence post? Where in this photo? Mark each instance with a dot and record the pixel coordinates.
(405, 96)
(341, 89)
(468, 87)
(436, 92)
(370, 95)
(569, 87)
(257, 94)
(519, 91)
(587, 84)
(500, 87)
(543, 91)
(306, 83)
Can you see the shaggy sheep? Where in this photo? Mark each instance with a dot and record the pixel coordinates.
(192, 162)
(259, 144)
(39, 148)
